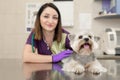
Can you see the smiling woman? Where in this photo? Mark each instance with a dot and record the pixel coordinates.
(47, 39)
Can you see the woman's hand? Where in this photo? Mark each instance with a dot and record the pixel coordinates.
(58, 57)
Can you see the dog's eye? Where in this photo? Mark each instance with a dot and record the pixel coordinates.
(90, 36)
(80, 37)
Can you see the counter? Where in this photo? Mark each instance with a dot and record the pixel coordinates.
(14, 69)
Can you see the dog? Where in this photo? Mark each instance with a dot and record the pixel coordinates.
(83, 57)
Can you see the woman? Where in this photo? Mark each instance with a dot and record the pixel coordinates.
(48, 39)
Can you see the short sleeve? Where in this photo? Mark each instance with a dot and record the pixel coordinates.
(29, 39)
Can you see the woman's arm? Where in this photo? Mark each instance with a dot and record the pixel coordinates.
(29, 56)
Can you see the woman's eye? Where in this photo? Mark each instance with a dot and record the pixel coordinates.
(55, 18)
(46, 16)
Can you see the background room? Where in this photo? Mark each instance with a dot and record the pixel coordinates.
(101, 17)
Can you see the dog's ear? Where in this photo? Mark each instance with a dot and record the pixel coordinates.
(96, 38)
(95, 45)
(71, 37)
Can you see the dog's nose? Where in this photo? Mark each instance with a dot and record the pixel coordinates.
(86, 39)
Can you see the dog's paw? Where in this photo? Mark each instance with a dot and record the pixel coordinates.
(78, 69)
(97, 69)
(94, 70)
(103, 69)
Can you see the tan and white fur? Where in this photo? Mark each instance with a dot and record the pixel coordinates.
(83, 58)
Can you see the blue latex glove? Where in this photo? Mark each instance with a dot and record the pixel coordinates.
(58, 57)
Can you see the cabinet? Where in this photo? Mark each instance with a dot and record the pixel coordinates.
(106, 9)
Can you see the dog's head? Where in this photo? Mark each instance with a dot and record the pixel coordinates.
(82, 43)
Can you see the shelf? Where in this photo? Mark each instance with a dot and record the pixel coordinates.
(112, 7)
(114, 15)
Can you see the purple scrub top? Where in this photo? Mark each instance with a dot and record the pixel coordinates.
(42, 46)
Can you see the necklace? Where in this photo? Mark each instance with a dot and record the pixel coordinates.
(48, 38)
(47, 43)
(48, 47)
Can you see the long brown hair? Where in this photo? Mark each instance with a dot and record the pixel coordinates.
(38, 29)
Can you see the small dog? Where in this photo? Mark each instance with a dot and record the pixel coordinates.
(83, 58)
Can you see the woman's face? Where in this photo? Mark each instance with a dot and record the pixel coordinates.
(49, 19)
